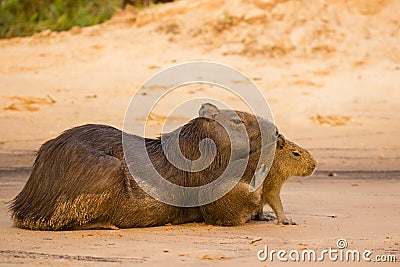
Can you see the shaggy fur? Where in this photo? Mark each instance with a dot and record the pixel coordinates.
(80, 179)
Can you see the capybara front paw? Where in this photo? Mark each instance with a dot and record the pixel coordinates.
(265, 216)
(287, 222)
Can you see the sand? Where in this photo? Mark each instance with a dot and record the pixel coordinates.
(330, 71)
(364, 211)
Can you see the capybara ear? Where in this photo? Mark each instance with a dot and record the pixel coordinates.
(208, 110)
(280, 143)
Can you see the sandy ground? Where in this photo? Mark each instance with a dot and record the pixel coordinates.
(330, 71)
(366, 213)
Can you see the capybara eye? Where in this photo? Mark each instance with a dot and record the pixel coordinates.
(237, 121)
(296, 153)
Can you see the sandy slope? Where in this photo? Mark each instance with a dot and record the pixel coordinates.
(329, 69)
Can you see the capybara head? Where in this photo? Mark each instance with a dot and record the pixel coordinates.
(246, 133)
(209, 143)
(292, 160)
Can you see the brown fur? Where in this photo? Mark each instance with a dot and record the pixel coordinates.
(290, 160)
(240, 205)
(80, 179)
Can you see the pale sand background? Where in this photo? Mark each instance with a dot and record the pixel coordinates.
(329, 69)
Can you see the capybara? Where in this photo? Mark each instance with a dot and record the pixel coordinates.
(80, 179)
(290, 160)
(240, 205)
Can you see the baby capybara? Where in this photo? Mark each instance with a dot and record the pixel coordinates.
(240, 204)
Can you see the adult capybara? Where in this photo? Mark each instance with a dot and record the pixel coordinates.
(240, 205)
(81, 179)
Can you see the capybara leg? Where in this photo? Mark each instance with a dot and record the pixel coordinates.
(274, 200)
(235, 208)
(264, 215)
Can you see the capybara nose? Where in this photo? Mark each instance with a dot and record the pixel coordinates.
(313, 168)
